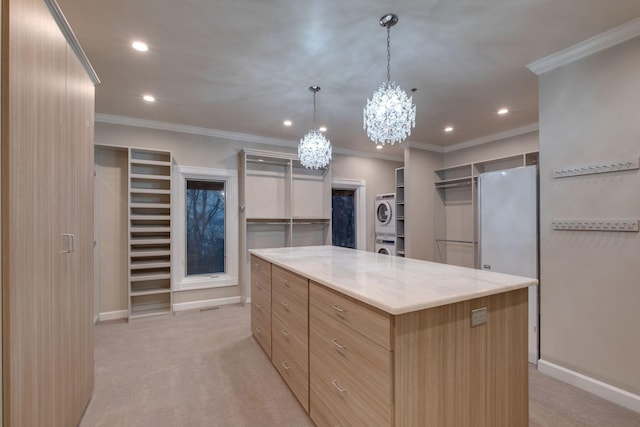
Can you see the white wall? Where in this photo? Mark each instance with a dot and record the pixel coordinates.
(525, 143)
(590, 281)
(202, 151)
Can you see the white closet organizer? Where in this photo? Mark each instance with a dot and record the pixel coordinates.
(149, 232)
(455, 216)
(282, 204)
(400, 212)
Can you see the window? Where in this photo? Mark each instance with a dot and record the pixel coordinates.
(205, 227)
(203, 254)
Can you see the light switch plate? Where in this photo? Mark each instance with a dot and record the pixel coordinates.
(478, 317)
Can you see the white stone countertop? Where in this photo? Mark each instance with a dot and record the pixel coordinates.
(393, 284)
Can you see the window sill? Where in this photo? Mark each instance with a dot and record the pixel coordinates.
(205, 282)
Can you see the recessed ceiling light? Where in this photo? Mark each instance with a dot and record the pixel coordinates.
(287, 123)
(322, 128)
(140, 46)
(503, 111)
(448, 129)
(149, 98)
(379, 147)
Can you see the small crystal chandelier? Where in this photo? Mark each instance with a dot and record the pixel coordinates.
(390, 114)
(314, 149)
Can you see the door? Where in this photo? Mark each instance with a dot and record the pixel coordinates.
(508, 232)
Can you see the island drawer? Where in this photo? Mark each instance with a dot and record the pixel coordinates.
(364, 362)
(291, 283)
(291, 359)
(261, 302)
(260, 269)
(337, 398)
(261, 328)
(369, 321)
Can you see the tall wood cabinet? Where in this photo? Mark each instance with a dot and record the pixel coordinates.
(281, 204)
(47, 218)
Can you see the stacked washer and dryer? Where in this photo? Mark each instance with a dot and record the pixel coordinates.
(385, 224)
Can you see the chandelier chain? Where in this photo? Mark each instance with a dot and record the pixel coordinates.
(388, 53)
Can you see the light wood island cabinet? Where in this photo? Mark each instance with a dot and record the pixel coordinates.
(391, 340)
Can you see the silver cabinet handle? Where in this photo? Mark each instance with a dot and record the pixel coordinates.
(258, 330)
(258, 305)
(284, 304)
(69, 243)
(285, 365)
(338, 309)
(337, 344)
(286, 282)
(285, 333)
(334, 383)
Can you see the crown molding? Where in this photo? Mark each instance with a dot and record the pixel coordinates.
(424, 146)
(71, 38)
(533, 127)
(232, 136)
(587, 47)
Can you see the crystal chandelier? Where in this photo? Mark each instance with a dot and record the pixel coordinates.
(390, 114)
(314, 149)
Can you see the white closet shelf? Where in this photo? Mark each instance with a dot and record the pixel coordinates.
(150, 292)
(150, 217)
(150, 241)
(150, 162)
(150, 264)
(146, 277)
(151, 177)
(149, 191)
(151, 205)
(455, 182)
(143, 253)
(149, 229)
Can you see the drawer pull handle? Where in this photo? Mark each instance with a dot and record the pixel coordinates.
(258, 330)
(284, 304)
(338, 309)
(286, 282)
(337, 344)
(285, 333)
(285, 365)
(258, 305)
(257, 266)
(334, 383)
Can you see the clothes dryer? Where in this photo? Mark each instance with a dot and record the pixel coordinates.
(386, 246)
(385, 218)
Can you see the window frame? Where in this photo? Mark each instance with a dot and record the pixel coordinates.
(360, 187)
(180, 281)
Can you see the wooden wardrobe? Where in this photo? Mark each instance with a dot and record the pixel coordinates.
(47, 218)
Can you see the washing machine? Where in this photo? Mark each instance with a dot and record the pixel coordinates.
(385, 245)
(385, 214)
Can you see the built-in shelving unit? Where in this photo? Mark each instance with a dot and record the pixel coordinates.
(456, 222)
(282, 204)
(149, 232)
(400, 212)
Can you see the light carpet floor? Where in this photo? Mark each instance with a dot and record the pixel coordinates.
(203, 368)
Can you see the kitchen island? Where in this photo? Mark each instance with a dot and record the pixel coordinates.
(369, 339)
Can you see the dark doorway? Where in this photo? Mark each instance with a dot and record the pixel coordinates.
(343, 218)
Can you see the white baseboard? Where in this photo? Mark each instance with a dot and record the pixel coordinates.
(113, 315)
(603, 390)
(206, 303)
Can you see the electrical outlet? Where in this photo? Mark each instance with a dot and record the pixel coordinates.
(478, 317)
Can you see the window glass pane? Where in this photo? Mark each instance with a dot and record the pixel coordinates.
(343, 218)
(205, 227)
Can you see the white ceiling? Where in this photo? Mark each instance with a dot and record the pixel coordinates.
(244, 66)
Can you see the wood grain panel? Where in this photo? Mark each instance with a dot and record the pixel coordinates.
(290, 356)
(447, 373)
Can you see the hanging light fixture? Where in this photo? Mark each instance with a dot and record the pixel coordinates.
(390, 114)
(314, 149)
